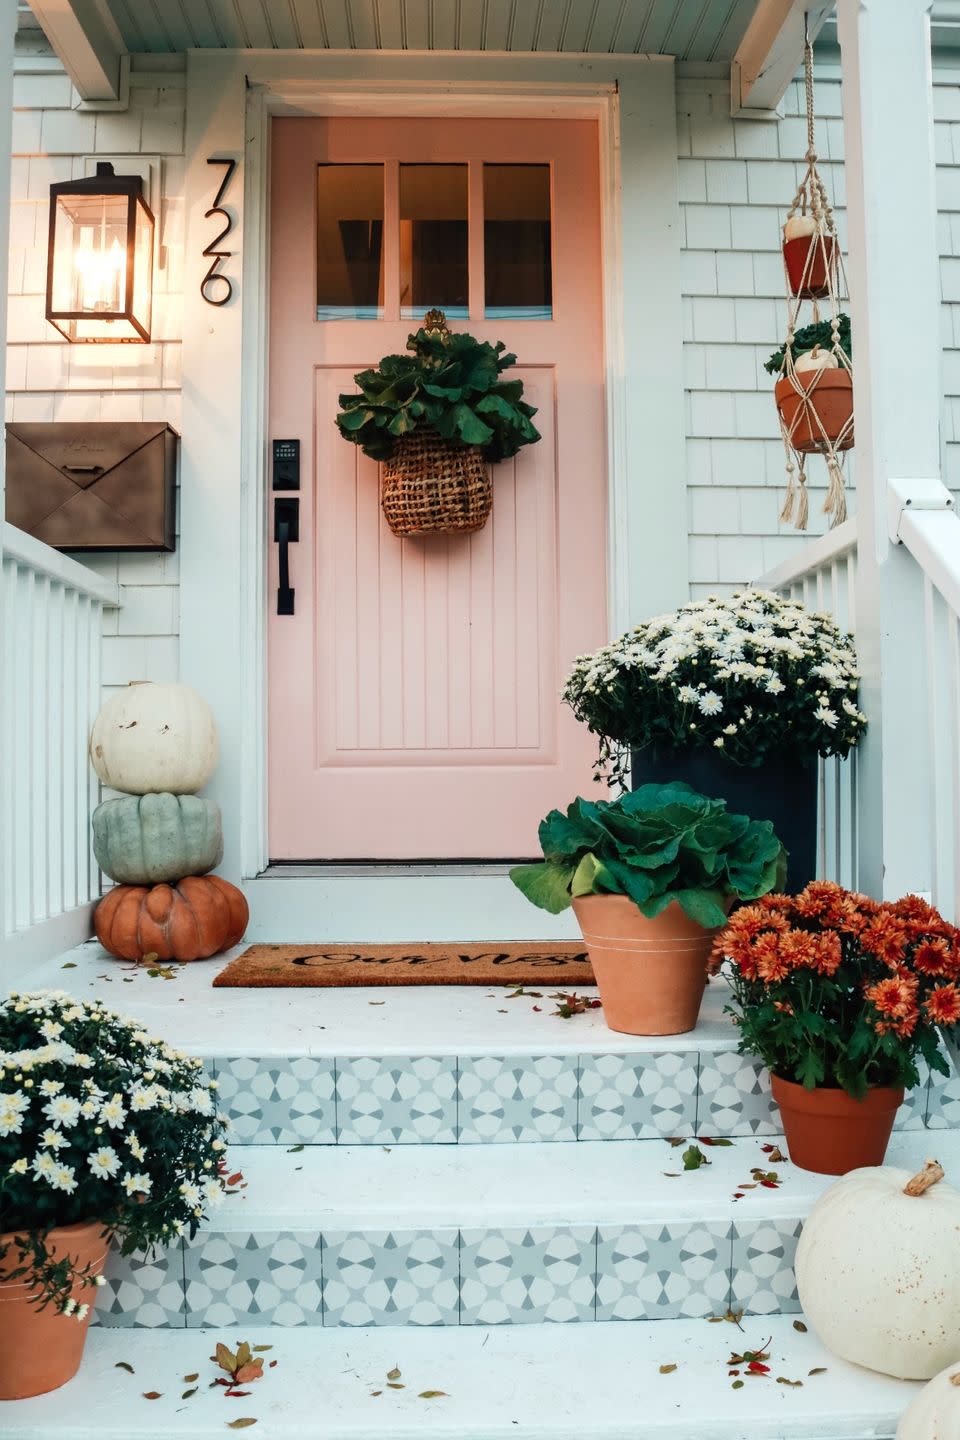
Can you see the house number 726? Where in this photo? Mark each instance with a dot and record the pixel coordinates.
(214, 277)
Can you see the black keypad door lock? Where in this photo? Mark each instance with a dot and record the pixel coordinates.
(286, 531)
(286, 464)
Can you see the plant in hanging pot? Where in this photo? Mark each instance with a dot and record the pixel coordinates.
(436, 418)
(841, 996)
(814, 393)
(105, 1135)
(651, 877)
(736, 696)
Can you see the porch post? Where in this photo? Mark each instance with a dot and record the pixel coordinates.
(895, 314)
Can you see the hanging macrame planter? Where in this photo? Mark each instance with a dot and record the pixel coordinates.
(438, 418)
(814, 391)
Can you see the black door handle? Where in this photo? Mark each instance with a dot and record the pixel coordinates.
(286, 530)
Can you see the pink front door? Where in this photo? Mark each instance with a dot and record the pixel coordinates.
(414, 707)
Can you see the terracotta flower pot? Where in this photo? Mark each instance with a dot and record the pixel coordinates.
(822, 262)
(41, 1350)
(829, 1132)
(827, 396)
(651, 973)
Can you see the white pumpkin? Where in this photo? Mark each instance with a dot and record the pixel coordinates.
(878, 1270)
(934, 1414)
(798, 226)
(816, 359)
(151, 738)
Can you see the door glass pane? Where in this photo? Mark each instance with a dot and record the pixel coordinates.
(349, 242)
(433, 240)
(518, 277)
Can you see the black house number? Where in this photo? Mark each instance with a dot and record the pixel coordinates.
(215, 287)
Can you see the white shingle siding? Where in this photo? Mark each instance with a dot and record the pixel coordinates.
(47, 379)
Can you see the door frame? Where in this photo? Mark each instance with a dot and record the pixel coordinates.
(231, 99)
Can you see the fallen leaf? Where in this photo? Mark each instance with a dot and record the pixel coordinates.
(667, 1369)
(69, 965)
(122, 1365)
(272, 1365)
(737, 1385)
(187, 1393)
(242, 1423)
(395, 1385)
(675, 1140)
(431, 1394)
(152, 1394)
(376, 1002)
(799, 1325)
(235, 1179)
(694, 1158)
(395, 1373)
(954, 1378)
(232, 1394)
(503, 1012)
(260, 1349)
(756, 1367)
(714, 1140)
(189, 1379)
(376, 1392)
(794, 1384)
(671, 1174)
(294, 1150)
(822, 1370)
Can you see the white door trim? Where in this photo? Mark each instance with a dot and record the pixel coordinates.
(224, 499)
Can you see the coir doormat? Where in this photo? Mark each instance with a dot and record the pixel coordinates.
(563, 963)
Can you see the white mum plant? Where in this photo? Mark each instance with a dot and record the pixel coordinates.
(99, 1121)
(751, 675)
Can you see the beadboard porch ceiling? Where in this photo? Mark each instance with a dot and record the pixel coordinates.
(697, 30)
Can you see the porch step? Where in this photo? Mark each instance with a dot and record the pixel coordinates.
(481, 1235)
(444, 1065)
(536, 1382)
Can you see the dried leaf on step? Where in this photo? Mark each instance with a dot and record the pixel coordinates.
(737, 1385)
(242, 1423)
(715, 1140)
(189, 1379)
(187, 1393)
(431, 1394)
(69, 965)
(954, 1378)
(799, 1325)
(376, 1002)
(225, 1358)
(667, 1369)
(671, 1174)
(152, 1394)
(123, 1365)
(395, 1385)
(259, 1349)
(375, 1392)
(395, 1373)
(822, 1370)
(675, 1140)
(794, 1384)
(294, 1149)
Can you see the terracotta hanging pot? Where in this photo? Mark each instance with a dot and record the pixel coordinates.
(829, 1132)
(811, 262)
(816, 407)
(651, 973)
(42, 1349)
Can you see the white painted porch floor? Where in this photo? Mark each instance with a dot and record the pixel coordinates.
(527, 1382)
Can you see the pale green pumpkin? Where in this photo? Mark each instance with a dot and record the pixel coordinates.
(150, 839)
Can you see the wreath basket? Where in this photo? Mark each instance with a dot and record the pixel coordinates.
(429, 486)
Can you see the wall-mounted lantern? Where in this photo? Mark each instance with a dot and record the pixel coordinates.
(100, 260)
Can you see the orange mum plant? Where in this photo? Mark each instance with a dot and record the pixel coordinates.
(831, 988)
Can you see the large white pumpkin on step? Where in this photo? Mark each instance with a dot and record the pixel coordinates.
(878, 1270)
(150, 738)
(934, 1414)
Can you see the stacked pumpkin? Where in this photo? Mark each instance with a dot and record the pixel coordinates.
(158, 840)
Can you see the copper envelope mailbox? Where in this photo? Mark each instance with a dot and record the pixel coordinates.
(94, 486)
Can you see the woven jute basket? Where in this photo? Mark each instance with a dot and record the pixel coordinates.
(431, 487)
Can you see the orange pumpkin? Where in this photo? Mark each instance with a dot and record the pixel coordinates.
(197, 917)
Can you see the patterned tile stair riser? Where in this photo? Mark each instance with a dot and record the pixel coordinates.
(504, 1099)
(683, 1270)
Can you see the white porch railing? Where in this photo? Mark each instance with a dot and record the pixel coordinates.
(50, 642)
(823, 577)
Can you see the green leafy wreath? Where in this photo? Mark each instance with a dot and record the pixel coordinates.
(448, 383)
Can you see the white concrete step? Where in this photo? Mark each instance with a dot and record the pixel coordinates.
(537, 1382)
(447, 1065)
(479, 1235)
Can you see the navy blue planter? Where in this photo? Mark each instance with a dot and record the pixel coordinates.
(783, 789)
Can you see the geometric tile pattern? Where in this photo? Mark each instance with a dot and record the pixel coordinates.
(394, 1100)
(279, 1102)
(403, 1278)
(734, 1096)
(762, 1267)
(518, 1276)
(501, 1099)
(663, 1272)
(141, 1293)
(263, 1279)
(638, 1097)
(517, 1098)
